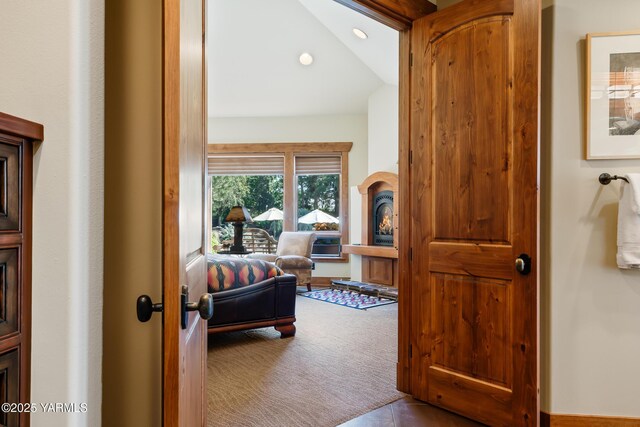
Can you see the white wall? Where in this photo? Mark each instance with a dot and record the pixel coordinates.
(590, 309)
(355, 216)
(382, 121)
(52, 73)
(345, 128)
(383, 129)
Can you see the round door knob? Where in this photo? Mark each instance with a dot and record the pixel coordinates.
(204, 306)
(145, 308)
(523, 264)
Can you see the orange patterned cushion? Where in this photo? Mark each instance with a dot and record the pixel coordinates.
(225, 272)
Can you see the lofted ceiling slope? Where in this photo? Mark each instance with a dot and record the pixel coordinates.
(253, 51)
(379, 52)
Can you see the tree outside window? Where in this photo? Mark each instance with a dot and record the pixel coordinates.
(318, 192)
(255, 192)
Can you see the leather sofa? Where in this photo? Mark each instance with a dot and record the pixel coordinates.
(250, 294)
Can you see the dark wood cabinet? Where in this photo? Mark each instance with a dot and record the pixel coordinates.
(16, 188)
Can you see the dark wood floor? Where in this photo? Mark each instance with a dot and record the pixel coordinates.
(408, 412)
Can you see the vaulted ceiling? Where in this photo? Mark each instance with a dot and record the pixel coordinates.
(253, 65)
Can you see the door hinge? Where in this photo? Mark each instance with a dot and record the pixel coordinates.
(410, 351)
(410, 254)
(410, 157)
(411, 59)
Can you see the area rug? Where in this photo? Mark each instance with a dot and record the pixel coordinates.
(341, 364)
(348, 298)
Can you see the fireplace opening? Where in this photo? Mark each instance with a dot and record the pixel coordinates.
(382, 216)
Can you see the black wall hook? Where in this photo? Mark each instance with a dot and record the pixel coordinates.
(605, 178)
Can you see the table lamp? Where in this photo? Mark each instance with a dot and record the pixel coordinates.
(238, 215)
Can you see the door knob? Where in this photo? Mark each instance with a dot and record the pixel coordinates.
(145, 308)
(523, 264)
(204, 306)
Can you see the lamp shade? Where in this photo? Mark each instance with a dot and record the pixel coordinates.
(238, 214)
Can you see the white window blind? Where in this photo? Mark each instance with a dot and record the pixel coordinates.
(237, 164)
(318, 165)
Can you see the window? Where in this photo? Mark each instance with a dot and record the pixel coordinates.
(318, 201)
(256, 182)
(308, 182)
(258, 193)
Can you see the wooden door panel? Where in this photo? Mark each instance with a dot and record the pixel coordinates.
(194, 360)
(478, 260)
(483, 402)
(470, 115)
(473, 178)
(191, 123)
(472, 327)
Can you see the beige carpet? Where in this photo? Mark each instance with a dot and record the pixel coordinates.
(340, 364)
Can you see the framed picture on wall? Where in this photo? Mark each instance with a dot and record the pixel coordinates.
(613, 96)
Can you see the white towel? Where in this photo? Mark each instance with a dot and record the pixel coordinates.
(629, 223)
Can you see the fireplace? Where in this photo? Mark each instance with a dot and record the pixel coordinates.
(378, 248)
(382, 218)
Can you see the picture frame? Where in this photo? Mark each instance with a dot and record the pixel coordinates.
(612, 95)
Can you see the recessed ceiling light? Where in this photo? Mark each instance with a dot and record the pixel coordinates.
(359, 33)
(306, 59)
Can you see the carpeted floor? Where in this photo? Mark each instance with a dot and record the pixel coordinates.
(340, 364)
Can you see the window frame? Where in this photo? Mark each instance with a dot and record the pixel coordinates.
(289, 150)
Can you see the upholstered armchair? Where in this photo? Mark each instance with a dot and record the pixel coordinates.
(293, 255)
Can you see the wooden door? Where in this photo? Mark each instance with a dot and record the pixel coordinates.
(184, 194)
(474, 204)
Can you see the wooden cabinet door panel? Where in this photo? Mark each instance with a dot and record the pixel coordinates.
(9, 386)
(10, 191)
(9, 288)
(378, 270)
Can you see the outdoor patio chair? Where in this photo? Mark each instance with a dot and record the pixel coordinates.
(257, 240)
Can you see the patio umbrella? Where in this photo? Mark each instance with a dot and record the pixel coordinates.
(316, 216)
(273, 214)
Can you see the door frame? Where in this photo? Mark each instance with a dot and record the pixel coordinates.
(397, 14)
